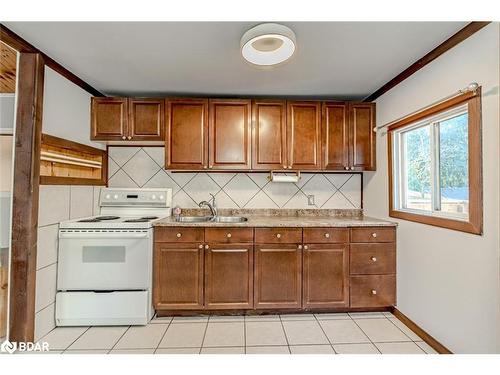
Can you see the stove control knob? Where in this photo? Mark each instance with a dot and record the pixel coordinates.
(115, 196)
(108, 196)
(162, 197)
(153, 197)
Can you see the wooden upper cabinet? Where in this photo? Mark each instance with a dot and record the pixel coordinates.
(362, 138)
(229, 134)
(335, 136)
(109, 119)
(304, 135)
(326, 276)
(146, 119)
(186, 138)
(269, 134)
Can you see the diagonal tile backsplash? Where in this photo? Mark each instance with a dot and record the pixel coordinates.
(143, 167)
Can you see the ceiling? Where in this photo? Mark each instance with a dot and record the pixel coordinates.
(8, 62)
(344, 60)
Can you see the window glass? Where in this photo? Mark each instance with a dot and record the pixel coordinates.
(453, 165)
(417, 169)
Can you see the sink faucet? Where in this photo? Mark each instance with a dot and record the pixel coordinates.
(210, 205)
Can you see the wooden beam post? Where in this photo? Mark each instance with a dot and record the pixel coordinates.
(28, 134)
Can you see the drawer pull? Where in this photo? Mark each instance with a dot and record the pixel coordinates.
(179, 235)
(278, 235)
(207, 247)
(374, 235)
(228, 235)
(200, 246)
(374, 259)
(374, 292)
(299, 247)
(306, 247)
(327, 235)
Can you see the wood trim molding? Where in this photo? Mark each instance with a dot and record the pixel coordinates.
(475, 223)
(25, 197)
(434, 344)
(16, 42)
(449, 43)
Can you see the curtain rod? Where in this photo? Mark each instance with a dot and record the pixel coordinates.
(471, 87)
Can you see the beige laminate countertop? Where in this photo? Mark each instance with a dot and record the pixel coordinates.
(286, 221)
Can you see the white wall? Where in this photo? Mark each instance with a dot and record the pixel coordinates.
(66, 114)
(448, 281)
(66, 109)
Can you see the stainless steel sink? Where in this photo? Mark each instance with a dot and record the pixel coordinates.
(193, 219)
(230, 219)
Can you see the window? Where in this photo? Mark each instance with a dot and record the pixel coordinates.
(435, 165)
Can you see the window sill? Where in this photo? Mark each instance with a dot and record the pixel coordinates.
(458, 225)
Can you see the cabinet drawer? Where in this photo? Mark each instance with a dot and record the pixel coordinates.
(373, 258)
(278, 235)
(373, 234)
(229, 235)
(326, 235)
(178, 234)
(373, 291)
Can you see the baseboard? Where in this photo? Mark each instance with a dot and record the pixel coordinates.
(436, 345)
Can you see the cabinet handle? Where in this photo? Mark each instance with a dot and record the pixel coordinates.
(306, 247)
(200, 246)
(373, 259)
(207, 247)
(299, 247)
(228, 235)
(289, 167)
(346, 168)
(205, 167)
(374, 292)
(284, 167)
(374, 235)
(352, 168)
(211, 166)
(123, 137)
(278, 235)
(129, 137)
(178, 235)
(327, 235)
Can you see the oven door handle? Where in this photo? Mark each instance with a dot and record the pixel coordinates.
(103, 235)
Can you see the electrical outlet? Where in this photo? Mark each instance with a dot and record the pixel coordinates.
(310, 200)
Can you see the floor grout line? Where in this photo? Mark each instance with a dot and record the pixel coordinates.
(117, 341)
(204, 334)
(364, 333)
(162, 336)
(76, 339)
(286, 337)
(321, 327)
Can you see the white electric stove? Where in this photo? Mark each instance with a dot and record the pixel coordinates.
(105, 261)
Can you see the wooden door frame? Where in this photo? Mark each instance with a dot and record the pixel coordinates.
(28, 136)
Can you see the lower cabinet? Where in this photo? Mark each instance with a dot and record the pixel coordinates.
(229, 276)
(178, 276)
(326, 276)
(278, 276)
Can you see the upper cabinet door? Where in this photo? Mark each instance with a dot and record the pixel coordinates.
(304, 135)
(335, 136)
(362, 138)
(146, 119)
(109, 119)
(229, 134)
(269, 134)
(186, 139)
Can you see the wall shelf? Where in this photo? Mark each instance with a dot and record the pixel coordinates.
(64, 162)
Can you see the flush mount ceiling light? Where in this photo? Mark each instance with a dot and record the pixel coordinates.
(268, 44)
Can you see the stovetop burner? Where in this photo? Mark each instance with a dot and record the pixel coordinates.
(107, 217)
(149, 217)
(89, 221)
(136, 220)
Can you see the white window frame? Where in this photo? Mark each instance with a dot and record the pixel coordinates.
(399, 178)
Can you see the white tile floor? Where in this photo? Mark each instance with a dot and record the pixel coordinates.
(355, 333)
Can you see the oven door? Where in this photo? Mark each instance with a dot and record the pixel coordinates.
(104, 260)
